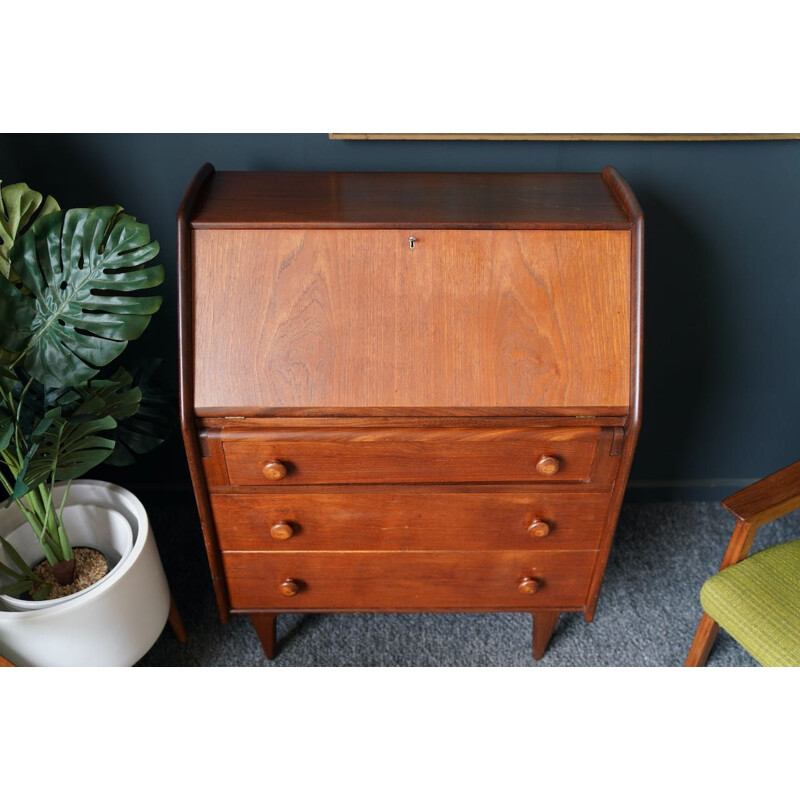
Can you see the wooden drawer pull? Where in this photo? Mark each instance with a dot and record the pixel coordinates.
(529, 586)
(289, 588)
(274, 470)
(539, 528)
(548, 465)
(281, 530)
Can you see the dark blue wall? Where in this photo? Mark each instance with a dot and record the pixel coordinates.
(722, 269)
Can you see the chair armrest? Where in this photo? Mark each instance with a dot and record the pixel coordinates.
(767, 499)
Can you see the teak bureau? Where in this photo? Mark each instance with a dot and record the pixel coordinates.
(409, 391)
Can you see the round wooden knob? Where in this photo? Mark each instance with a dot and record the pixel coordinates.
(274, 470)
(289, 588)
(548, 465)
(529, 586)
(281, 530)
(539, 528)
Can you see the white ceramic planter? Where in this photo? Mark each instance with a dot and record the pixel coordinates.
(98, 527)
(113, 623)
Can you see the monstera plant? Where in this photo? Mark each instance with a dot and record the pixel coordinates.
(74, 290)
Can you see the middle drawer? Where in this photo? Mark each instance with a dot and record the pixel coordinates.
(410, 455)
(397, 520)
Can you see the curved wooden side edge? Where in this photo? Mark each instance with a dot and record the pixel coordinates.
(185, 382)
(627, 200)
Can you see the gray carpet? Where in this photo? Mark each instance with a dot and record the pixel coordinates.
(646, 616)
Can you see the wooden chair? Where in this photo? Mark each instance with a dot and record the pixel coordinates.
(756, 599)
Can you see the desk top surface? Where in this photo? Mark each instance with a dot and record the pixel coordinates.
(409, 200)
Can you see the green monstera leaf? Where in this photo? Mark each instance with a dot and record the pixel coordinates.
(113, 397)
(153, 421)
(84, 269)
(6, 427)
(63, 448)
(144, 412)
(19, 207)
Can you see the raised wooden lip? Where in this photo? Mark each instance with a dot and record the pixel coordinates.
(416, 226)
(406, 224)
(627, 200)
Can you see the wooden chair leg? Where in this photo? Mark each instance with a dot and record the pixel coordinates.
(702, 643)
(175, 621)
(264, 624)
(543, 624)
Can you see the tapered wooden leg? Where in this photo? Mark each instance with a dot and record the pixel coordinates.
(543, 624)
(175, 621)
(265, 628)
(702, 643)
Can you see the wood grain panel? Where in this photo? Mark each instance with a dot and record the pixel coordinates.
(466, 319)
(394, 520)
(408, 455)
(332, 581)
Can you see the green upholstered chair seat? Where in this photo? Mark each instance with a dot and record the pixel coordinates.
(757, 601)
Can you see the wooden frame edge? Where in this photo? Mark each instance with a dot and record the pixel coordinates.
(623, 194)
(566, 137)
(187, 207)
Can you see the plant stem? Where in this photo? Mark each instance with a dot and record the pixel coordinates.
(32, 519)
(44, 537)
(18, 412)
(66, 547)
(51, 524)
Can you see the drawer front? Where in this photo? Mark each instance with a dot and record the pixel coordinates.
(396, 520)
(412, 581)
(412, 456)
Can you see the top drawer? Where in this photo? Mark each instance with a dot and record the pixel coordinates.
(411, 455)
(484, 320)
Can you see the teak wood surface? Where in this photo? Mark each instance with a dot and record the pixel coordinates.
(468, 319)
(398, 520)
(386, 200)
(411, 580)
(327, 402)
(412, 456)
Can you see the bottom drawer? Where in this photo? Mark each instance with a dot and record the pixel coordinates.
(507, 579)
